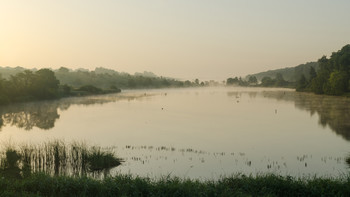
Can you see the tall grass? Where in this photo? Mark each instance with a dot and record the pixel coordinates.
(57, 158)
(127, 185)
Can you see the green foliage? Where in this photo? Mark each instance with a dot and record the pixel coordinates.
(126, 185)
(46, 84)
(7, 72)
(90, 89)
(65, 90)
(19, 85)
(253, 80)
(292, 74)
(236, 81)
(105, 78)
(267, 82)
(10, 165)
(278, 81)
(334, 74)
(231, 81)
(301, 84)
(4, 99)
(312, 73)
(29, 85)
(99, 160)
(56, 158)
(113, 87)
(338, 83)
(318, 83)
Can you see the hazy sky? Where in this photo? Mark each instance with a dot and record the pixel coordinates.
(206, 39)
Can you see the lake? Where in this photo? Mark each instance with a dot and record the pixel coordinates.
(203, 133)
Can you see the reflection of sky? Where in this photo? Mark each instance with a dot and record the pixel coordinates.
(264, 129)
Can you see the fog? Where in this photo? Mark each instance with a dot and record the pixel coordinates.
(180, 39)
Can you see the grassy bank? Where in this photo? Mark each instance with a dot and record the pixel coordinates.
(125, 185)
(56, 168)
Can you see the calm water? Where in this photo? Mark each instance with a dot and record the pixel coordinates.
(198, 133)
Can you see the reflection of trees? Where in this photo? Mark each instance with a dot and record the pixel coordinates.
(238, 94)
(1, 122)
(44, 114)
(347, 160)
(234, 94)
(41, 114)
(332, 111)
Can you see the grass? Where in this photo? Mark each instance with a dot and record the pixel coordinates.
(59, 169)
(56, 158)
(40, 184)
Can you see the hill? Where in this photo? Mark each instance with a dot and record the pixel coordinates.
(291, 74)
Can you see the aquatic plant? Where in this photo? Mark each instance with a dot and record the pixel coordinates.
(57, 158)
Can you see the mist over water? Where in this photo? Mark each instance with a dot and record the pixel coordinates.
(197, 132)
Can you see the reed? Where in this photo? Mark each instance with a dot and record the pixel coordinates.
(57, 158)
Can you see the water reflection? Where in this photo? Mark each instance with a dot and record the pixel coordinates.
(347, 160)
(44, 114)
(199, 132)
(332, 111)
(31, 115)
(145, 155)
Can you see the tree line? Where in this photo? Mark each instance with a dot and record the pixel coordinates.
(266, 81)
(20, 85)
(333, 76)
(29, 85)
(107, 78)
(290, 74)
(329, 76)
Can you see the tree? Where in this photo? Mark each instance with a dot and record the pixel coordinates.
(131, 83)
(187, 83)
(338, 83)
(90, 89)
(3, 94)
(324, 65)
(165, 83)
(279, 80)
(301, 84)
(319, 82)
(21, 86)
(231, 81)
(333, 75)
(46, 84)
(253, 79)
(267, 81)
(312, 73)
(63, 70)
(196, 81)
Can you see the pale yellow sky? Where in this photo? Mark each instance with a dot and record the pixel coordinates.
(185, 39)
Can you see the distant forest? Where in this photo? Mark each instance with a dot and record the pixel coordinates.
(291, 74)
(284, 77)
(329, 76)
(18, 84)
(104, 78)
